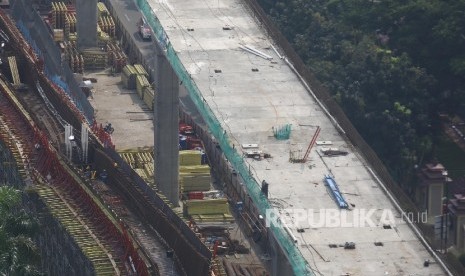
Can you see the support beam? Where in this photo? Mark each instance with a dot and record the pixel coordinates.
(86, 11)
(166, 125)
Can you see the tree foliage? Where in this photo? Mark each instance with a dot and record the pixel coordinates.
(392, 65)
(18, 252)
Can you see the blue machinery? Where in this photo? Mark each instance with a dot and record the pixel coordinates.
(332, 185)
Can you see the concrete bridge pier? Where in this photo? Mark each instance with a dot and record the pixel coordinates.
(166, 127)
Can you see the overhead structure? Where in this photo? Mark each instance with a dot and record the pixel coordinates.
(165, 124)
(86, 24)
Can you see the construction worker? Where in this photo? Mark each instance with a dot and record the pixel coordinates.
(104, 176)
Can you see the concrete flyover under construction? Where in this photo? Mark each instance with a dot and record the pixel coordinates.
(256, 103)
(264, 130)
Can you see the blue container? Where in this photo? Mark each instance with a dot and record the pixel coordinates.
(182, 142)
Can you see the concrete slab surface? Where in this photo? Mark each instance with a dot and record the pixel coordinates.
(249, 104)
(128, 114)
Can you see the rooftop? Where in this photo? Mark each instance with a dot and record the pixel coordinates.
(207, 36)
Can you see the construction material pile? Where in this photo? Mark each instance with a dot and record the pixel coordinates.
(141, 161)
(70, 26)
(141, 84)
(94, 59)
(128, 77)
(149, 96)
(136, 77)
(74, 59)
(207, 209)
(62, 20)
(194, 178)
(140, 70)
(102, 9)
(116, 57)
(190, 158)
(58, 14)
(107, 25)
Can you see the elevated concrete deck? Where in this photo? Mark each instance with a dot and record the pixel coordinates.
(249, 104)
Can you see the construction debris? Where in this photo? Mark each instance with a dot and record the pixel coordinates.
(333, 152)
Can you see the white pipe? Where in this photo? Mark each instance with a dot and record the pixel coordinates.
(252, 52)
(276, 51)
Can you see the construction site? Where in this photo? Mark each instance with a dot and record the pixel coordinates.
(154, 138)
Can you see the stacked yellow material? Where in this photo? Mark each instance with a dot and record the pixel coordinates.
(198, 169)
(149, 96)
(59, 11)
(70, 24)
(149, 169)
(102, 9)
(206, 206)
(128, 77)
(107, 25)
(190, 158)
(190, 182)
(141, 70)
(194, 178)
(143, 157)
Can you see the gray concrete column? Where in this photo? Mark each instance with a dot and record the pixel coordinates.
(86, 25)
(166, 127)
(279, 261)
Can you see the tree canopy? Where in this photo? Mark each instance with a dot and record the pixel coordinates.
(18, 252)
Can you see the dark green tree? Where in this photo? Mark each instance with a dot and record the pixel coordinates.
(18, 252)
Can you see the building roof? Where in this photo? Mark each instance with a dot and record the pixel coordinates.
(250, 95)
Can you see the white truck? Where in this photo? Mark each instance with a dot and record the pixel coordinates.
(144, 30)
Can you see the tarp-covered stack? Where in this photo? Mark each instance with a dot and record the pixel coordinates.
(190, 158)
(143, 87)
(194, 178)
(207, 209)
(141, 70)
(141, 84)
(141, 160)
(128, 77)
(149, 96)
